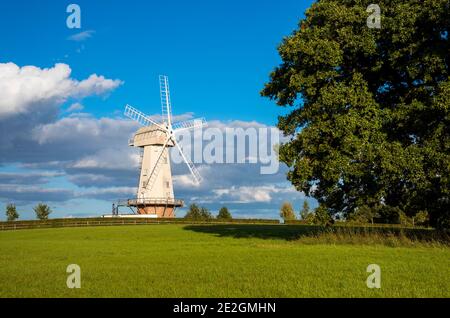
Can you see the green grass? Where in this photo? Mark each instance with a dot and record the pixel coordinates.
(174, 260)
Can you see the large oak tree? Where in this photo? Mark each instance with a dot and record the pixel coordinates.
(370, 107)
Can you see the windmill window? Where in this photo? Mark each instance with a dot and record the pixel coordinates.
(167, 184)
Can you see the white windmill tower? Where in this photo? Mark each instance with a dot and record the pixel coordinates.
(155, 196)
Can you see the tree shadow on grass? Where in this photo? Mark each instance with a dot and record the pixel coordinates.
(262, 231)
(319, 233)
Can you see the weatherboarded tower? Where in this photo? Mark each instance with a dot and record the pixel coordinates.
(155, 189)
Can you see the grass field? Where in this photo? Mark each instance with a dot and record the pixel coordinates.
(173, 260)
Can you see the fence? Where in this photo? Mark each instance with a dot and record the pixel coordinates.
(84, 222)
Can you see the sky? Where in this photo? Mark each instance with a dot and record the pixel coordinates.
(62, 93)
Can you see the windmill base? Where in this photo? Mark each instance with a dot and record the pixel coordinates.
(159, 211)
(161, 208)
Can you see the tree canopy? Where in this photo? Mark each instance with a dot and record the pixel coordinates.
(287, 211)
(42, 211)
(11, 212)
(193, 212)
(198, 213)
(224, 214)
(305, 211)
(370, 115)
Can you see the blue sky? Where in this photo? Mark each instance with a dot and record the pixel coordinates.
(217, 54)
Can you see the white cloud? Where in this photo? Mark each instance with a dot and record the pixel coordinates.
(75, 107)
(95, 157)
(20, 194)
(109, 159)
(83, 129)
(29, 177)
(110, 193)
(250, 194)
(81, 36)
(95, 85)
(27, 88)
(185, 180)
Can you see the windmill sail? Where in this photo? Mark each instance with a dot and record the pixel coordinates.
(189, 124)
(165, 99)
(138, 116)
(192, 168)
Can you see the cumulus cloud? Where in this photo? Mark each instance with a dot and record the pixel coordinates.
(101, 157)
(28, 177)
(29, 88)
(23, 194)
(247, 194)
(93, 154)
(110, 193)
(88, 131)
(75, 107)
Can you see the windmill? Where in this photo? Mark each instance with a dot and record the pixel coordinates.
(155, 197)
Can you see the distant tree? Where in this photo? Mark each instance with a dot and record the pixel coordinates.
(421, 218)
(205, 214)
(363, 214)
(310, 218)
(193, 213)
(322, 216)
(389, 214)
(404, 219)
(287, 211)
(224, 214)
(42, 211)
(11, 212)
(305, 210)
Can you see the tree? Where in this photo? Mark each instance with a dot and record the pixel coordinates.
(11, 212)
(224, 214)
(205, 214)
(310, 218)
(198, 213)
(404, 219)
(363, 214)
(305, 211)
(287, 211)
(370, 119)
(322, 216)
(193, 212)
(42, 211)
(421, 218)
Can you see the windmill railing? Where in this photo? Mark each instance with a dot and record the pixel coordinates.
(152, 201)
